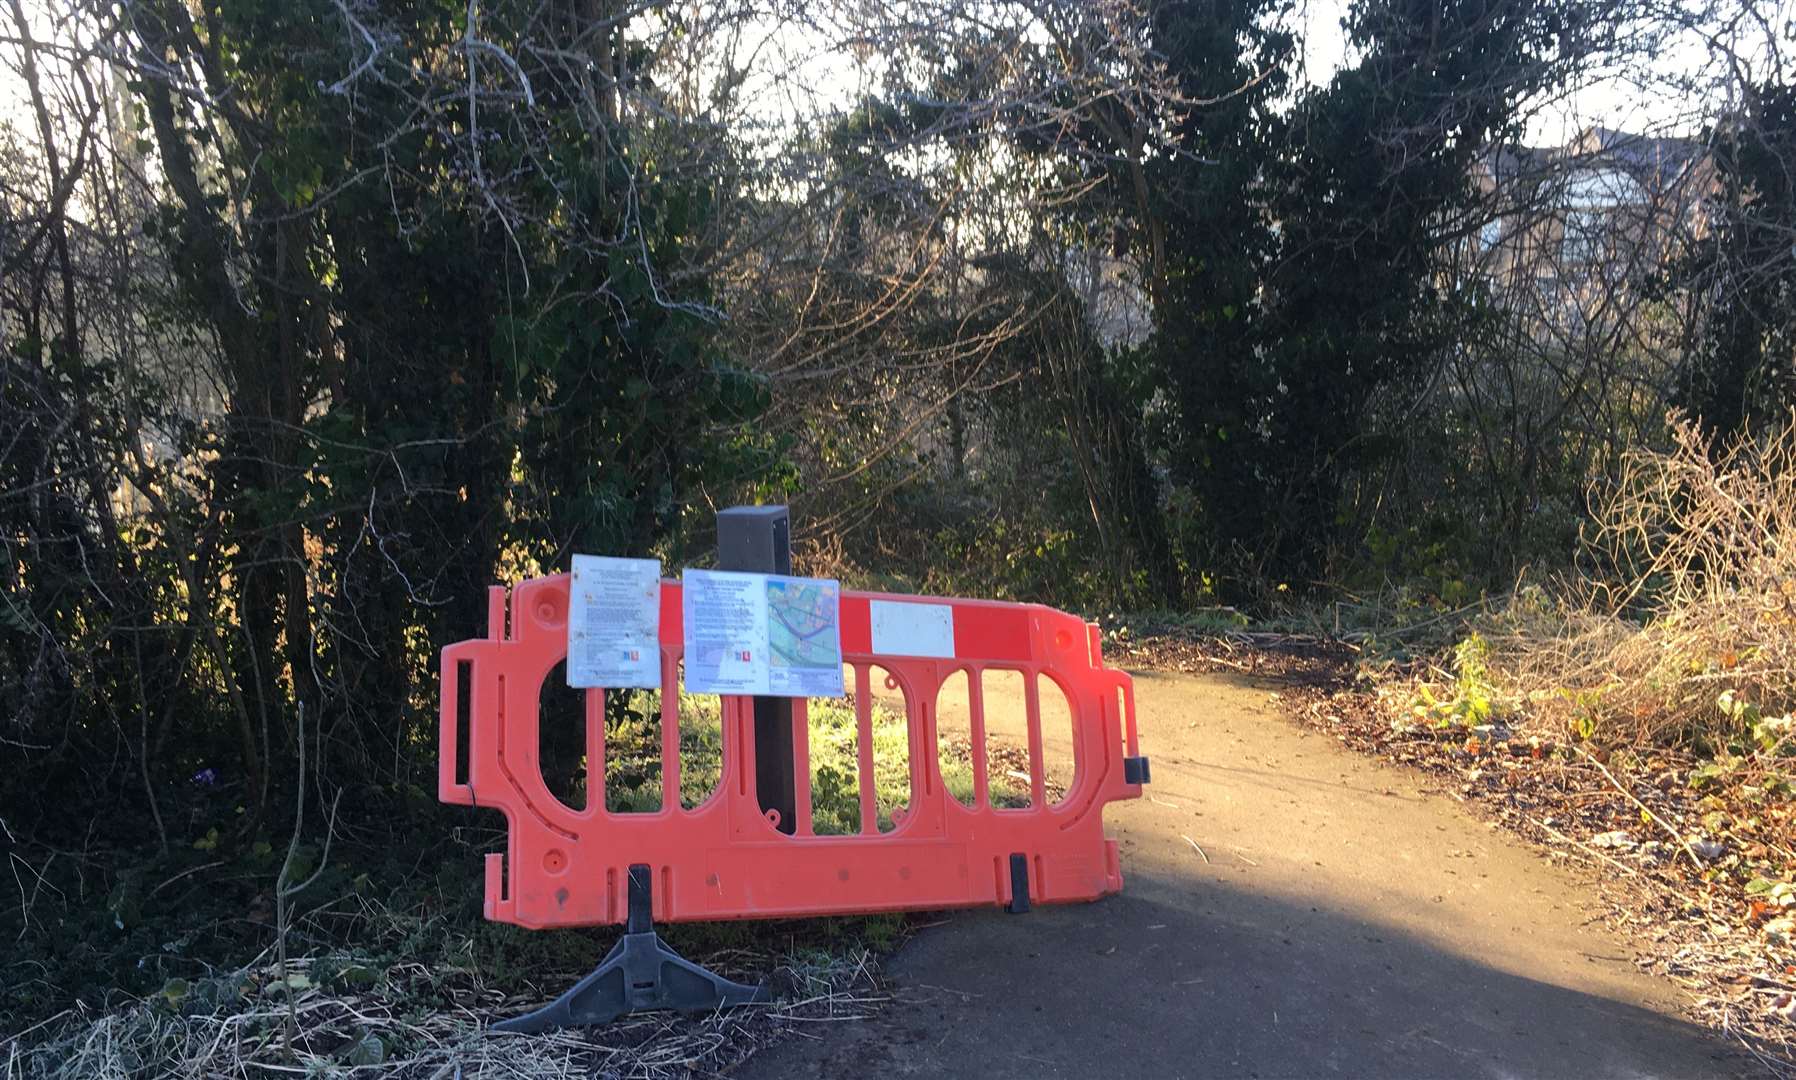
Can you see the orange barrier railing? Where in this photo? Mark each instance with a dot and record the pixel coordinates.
(725, 859)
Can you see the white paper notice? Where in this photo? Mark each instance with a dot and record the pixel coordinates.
(726, 632)
(762, 634)
(910, 629)
(614, 623)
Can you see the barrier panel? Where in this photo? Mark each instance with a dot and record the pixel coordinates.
(725, 858)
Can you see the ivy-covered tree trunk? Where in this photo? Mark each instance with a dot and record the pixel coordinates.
(1744, 372)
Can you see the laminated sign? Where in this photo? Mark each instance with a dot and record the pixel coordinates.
(762, 634)
(614, 625)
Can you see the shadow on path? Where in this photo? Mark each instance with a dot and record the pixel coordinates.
(1338, 921)
(1231, 985)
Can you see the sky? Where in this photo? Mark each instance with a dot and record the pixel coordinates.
(1633, 101)
(795, 62)
(800, 71)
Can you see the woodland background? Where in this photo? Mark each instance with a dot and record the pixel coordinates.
(317, 317)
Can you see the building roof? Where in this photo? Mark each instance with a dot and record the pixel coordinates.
(1655, 161)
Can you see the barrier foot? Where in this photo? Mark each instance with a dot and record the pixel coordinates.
(639, 974)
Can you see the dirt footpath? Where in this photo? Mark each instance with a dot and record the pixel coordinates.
(1344, 923)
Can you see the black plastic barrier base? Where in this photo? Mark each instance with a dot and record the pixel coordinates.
(639, 974)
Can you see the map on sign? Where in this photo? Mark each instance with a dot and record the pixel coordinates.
(761, 634)
(804, 640)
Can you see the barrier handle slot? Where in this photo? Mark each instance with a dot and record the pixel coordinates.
(670, 731)
(801, 766)
(863, 742)
(1038, 786)
(456, 680)
(1132, 739)
(982, 785)
(593, 699)
(1135, 764)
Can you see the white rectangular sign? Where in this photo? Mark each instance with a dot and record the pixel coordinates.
(614, 623)
(902, 628)
(762, 634)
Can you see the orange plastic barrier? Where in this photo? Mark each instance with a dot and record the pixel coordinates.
(724, 859)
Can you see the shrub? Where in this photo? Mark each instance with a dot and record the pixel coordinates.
(1689, 600)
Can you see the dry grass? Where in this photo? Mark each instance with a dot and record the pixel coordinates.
(1692, 595)
(419, 1021)
(1637, 718)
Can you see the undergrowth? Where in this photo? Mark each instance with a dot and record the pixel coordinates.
(169, 972)
(189, 929)
(1682, 633)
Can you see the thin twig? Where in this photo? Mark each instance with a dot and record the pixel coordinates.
(182, 874)
(1630, 871)
(1675, 835)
